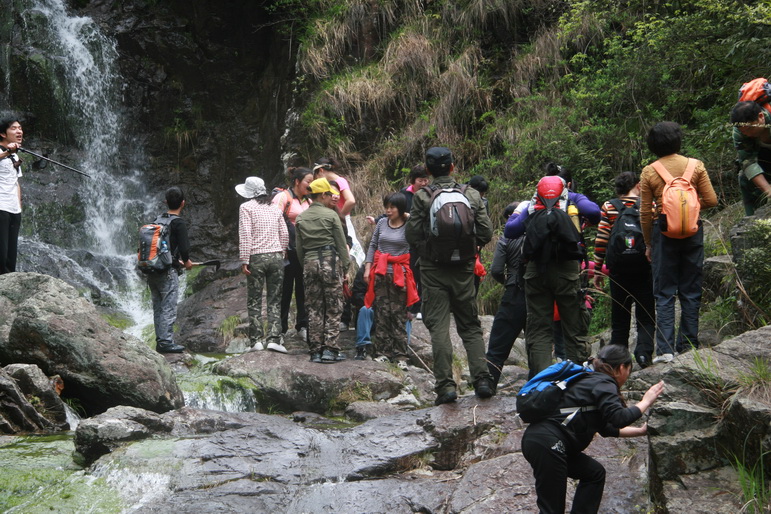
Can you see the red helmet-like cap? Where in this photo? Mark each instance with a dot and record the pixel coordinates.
(551, 187)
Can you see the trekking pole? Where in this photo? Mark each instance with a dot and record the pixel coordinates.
(213, 262)
(54, 162)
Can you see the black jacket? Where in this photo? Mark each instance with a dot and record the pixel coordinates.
(507, 267)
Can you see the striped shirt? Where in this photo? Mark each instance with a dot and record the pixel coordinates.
(261, 229)
(388, 240)
(608, 217)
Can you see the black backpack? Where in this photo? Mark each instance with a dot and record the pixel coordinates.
(452, 234)
(550, 235)
(626, 244)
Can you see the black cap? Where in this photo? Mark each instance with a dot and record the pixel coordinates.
(438, 158)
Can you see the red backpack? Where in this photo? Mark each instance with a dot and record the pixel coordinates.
(679, 202)
(756, 90)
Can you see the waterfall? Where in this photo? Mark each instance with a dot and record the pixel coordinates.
(87, 84)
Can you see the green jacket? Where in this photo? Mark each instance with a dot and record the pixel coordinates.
(418, 225)
(748, 148)
(320, 226)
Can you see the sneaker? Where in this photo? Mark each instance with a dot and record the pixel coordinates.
(340, 357)
(362, 352)
(381, 358)
(667, 357)
(402, 365)
(302, 334)
(328, 356)
(169, 348)
(483, 388)
(448, 397)
(343, 327)
(316, 357)
(419, 316)
(258, 347)
(276, 347)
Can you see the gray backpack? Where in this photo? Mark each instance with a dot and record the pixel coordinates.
(452, 235)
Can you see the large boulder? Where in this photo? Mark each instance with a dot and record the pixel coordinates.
(29, 401)
(47, 323)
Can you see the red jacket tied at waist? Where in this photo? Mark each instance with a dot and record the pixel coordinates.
(402, 276)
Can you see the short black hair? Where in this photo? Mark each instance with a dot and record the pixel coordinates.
(745, 112)
(7, 122)
(298, 174)
(174, 197)
(509, 210)
(397, 200)
(479, 183)
(417, 171)
(665, 138)
(551, 169)
(624, 182)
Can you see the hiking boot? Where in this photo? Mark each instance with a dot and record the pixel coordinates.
(643, 361)
(343, 327)
(340, 357)
(448, 397)
(361, 352)
(276, 347)
(316, 357)
(402, 365)
(667, 357)
(483, 388)
(328, 356)
(169, 348)
(303, 334)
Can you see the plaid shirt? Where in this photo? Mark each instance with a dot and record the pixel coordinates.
(261, 229)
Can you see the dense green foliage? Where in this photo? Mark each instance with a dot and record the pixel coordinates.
(512, 84)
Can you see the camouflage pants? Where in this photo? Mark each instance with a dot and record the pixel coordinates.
(323, 301)
(267, 271)
(391, 334)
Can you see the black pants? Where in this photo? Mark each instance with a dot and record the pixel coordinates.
(9, 240)
(508, 323)
(293, 280)
(544, 447)
(627, 290)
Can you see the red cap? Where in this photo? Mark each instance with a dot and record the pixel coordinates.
(550, 188)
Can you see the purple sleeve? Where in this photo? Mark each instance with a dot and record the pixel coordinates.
(515, 226)
(586, 208)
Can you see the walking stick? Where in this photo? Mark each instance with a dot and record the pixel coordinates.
(54, 162)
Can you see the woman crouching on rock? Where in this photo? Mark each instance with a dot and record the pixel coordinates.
(555, 450)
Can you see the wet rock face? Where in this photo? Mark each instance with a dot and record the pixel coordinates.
(48, 324)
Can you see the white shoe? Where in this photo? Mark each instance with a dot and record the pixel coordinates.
(343, 327)
(402, 365)
(258, 347)
(303, 334)
(276, 347)
(667, 357)
(419, 316)
(381, 358)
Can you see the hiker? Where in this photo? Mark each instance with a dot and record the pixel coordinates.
(418, 179)
(447, 271)
(389, 278)
(752, 140)
(293, 201)
(508, 269)
(11, 135)
(263, 238)
(631, 282)
(555, 450)
(322, 249)
(552, 274)
(676, 262)
(326, 167)
(164, 285)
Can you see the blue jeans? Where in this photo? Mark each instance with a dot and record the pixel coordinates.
(164, 288)
(364, 322)
(677, 272)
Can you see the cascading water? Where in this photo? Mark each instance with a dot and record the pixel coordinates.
(89, 86)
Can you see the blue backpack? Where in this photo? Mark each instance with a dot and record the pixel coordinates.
(540, 397)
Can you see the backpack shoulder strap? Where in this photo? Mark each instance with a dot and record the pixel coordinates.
(289, 201)
(618, 204)
(662, 171)
(689, 169)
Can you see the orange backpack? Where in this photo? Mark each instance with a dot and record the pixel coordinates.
(679, 202)
(756, 90)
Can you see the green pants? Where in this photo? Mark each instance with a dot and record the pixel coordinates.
(559, 283)
(450, 289)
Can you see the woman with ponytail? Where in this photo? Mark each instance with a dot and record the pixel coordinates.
(555, 449)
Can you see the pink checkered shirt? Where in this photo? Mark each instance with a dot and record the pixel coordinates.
(261, 229)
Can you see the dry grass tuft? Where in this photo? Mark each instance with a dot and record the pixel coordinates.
(367, 91)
